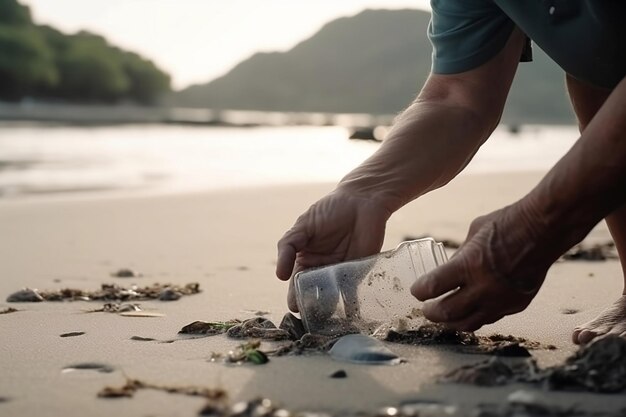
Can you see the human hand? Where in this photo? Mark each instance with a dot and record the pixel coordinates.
(339, 227)
(496, 272)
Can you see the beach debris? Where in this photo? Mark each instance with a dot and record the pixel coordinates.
(509, 349)
(72, 334)
(9, 310)
(427, 334)
(131, 386)
(126, 273)
(143, 339)
(598, 367)
(208, 328)
(117, 308)
(358, 348)
(89, 366)
(248, 352)
(26, 295)
(293, 326)
(493, 372)
(107, 292)
(596, 252)
(257, 328)
(339, 374)
(169, 294)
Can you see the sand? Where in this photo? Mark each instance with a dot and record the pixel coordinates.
(226, 241)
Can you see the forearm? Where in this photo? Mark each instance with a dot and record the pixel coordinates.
(428, 145)
(589, 182)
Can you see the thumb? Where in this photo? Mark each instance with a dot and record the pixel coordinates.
(439, 281)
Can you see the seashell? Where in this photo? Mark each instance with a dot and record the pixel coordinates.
(358, 348)
(26, 295)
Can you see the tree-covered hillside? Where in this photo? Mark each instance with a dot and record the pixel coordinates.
(41, 62)
(374, 62)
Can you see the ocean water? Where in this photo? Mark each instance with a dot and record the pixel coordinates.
(38, 159)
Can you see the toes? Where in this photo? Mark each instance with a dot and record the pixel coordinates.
(586, 336)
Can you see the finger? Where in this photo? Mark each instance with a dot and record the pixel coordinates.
(441, 280)
(454, 307)
(291, 243)
(474, 322)
(291, 298)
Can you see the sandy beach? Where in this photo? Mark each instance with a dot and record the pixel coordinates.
(225, 241)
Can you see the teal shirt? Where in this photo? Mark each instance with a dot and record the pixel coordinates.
(587, 38)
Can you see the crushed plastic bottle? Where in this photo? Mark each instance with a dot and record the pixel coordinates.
(359, 296)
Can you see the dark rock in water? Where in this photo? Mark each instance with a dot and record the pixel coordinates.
(358, 348)
(597, 367)
(257, 328)
(126, 273)
(293, 326)
(90, 366)
(339, 374)
(72, 334)
(169, 294)
(208, 328)
(26, 295)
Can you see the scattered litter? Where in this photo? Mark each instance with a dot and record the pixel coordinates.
(339, 374)
(117, 308)
(89, 366)
(293, 326)
(9, 310)
(72, 334)
(126, 273)
(258, 328)
(26, 295)
(208, 328)
(247, 352)
(358, 348)
(107, 292)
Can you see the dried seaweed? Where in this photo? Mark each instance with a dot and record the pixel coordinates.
(133, 385)
(258, 328)
(597, 367)
(107, 292)
(208, 328)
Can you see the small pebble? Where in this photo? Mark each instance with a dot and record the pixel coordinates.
(142, 339)
(126, 273)
(169, 294)
(72, 334)
(339, 374)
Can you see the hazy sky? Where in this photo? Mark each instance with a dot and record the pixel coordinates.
(198, 40)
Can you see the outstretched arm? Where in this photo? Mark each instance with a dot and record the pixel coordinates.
(428, 145)
(507, 254)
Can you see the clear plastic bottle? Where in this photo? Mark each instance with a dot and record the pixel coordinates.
(361, 295)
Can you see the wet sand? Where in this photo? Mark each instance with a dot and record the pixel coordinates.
(225, 241)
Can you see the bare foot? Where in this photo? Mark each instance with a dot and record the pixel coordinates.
(612, 320)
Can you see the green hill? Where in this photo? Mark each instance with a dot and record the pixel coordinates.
(374, 62)
(41, 62)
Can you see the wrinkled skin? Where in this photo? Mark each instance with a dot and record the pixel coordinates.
(492, 275)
